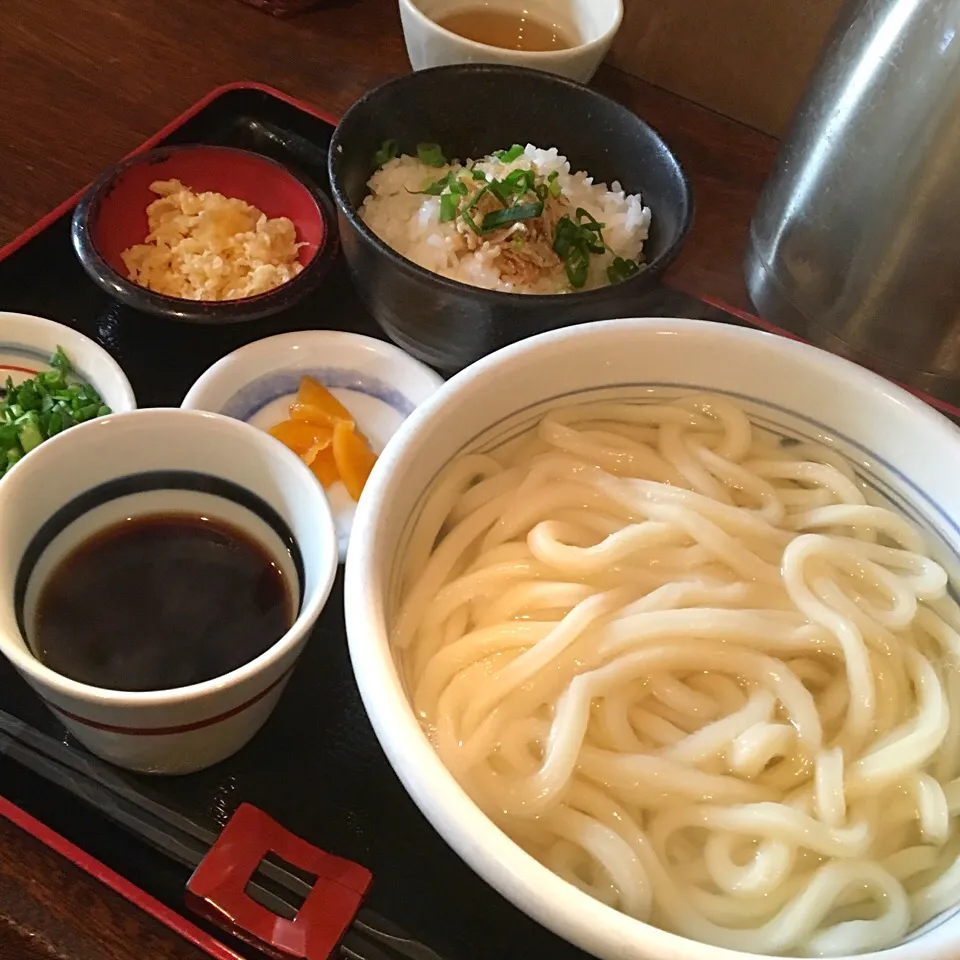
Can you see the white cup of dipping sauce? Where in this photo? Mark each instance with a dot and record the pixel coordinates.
(577, 32)
(147, 464)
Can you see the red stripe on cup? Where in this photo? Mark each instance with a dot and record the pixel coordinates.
(8, 366)
(167, 731)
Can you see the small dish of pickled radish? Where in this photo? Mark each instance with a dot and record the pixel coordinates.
(333, 398)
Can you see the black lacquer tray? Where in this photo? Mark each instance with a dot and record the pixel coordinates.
(316, 766)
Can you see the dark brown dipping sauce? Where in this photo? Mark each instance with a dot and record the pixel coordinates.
(161, 601)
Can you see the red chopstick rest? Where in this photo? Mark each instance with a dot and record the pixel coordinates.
(217, 889)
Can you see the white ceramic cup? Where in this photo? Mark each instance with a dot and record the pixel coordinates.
(591, 24)
(148, 462)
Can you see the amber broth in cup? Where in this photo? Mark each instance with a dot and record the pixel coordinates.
(511, 31)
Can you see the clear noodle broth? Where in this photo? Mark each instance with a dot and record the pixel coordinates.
(695, 672)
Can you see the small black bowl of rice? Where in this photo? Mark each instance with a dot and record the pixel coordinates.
(480, 204)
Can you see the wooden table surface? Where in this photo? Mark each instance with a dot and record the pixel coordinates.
(85, 81)
(50, 908)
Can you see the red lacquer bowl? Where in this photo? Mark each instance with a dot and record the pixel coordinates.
(112, 216)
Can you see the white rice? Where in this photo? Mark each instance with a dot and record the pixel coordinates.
(410, 222)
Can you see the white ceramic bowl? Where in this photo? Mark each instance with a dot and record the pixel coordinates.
(28, 342)
(910, 453)
(593, 22)
(148, 462)
(377, 382)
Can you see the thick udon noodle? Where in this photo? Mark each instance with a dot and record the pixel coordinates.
(693, 671)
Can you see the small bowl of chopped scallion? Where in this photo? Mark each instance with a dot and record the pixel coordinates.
(52, 378)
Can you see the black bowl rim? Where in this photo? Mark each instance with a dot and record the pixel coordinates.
(636, 283)
(200, 311)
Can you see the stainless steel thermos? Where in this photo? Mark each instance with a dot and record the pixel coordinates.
(855, 243)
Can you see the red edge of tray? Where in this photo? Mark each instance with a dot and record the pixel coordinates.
(171, 127)
(109, 878)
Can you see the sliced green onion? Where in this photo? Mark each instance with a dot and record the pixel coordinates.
(593, 243)
(574, 241)
(41, 407)
(28, 397)
(29, 433)
(501, 191)
(478, 174)
(448, 207)
(592, 222)
(622, 269)
(465, 212)
(387, 152)
(431, 154)
(591, 231)
(60, 363)
(513, 186)
(433, 188)
(508, 156)
(575, 266)
(501, 218)
(564, 237)
(520, 179)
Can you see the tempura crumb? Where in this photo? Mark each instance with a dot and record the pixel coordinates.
(205, 246)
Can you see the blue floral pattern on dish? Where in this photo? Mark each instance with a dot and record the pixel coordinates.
(250, 399)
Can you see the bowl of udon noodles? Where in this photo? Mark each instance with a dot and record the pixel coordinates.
(656, 621)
